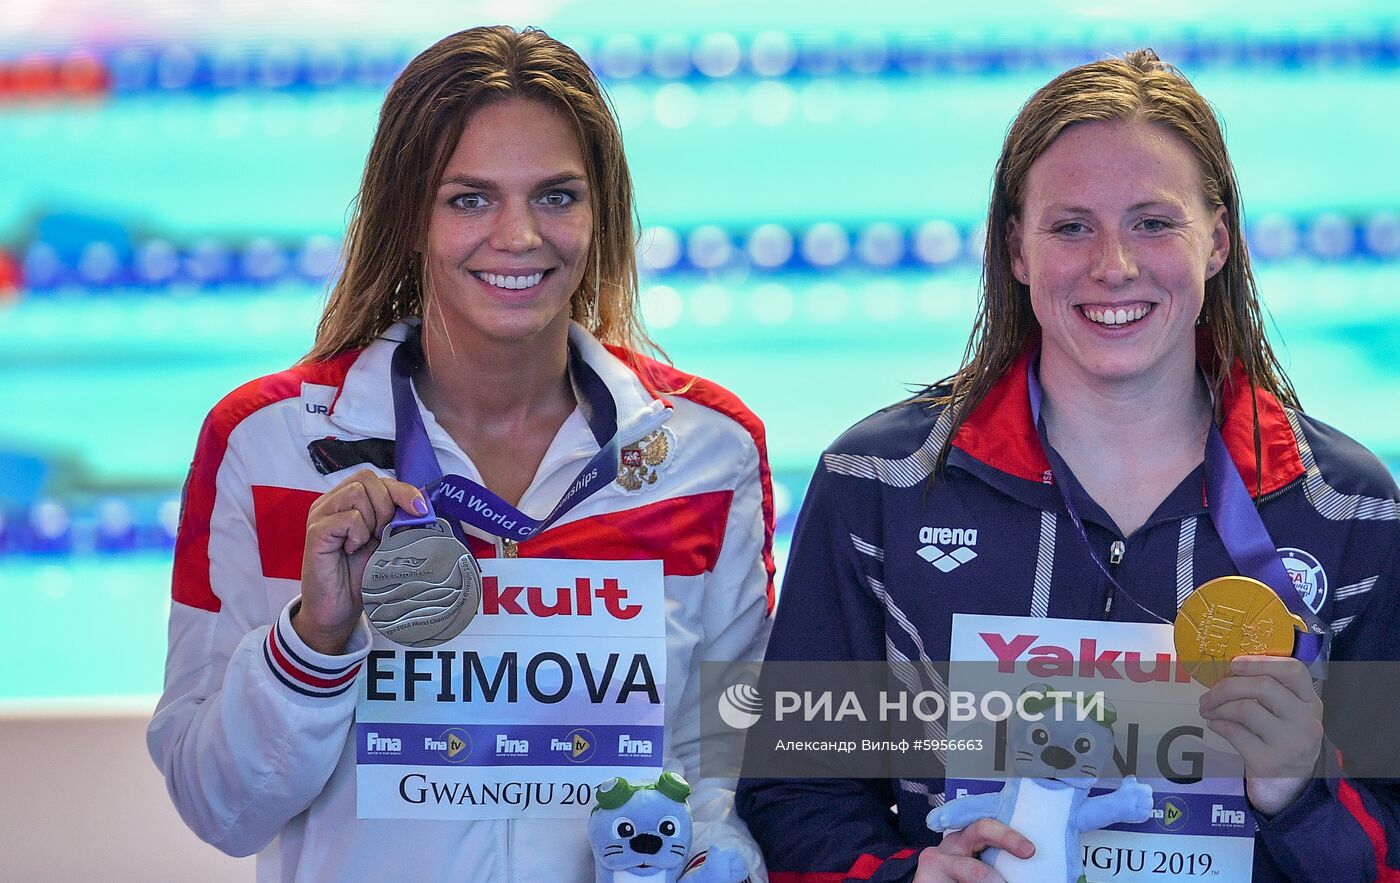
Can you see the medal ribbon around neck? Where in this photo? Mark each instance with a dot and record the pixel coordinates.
(465, 500)
(1236, 520)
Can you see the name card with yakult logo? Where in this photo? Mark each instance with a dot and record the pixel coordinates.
(1120, 681)
(558, 684)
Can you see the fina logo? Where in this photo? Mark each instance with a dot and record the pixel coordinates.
(1229, 818)
(629, 747)
(740, 706)
(960, 537)
(377, 744)
(508, 747)
(1307, 575)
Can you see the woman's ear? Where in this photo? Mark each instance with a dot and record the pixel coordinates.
(1014, 248)
(1219, 242)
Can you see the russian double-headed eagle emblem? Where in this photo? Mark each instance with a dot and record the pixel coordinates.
(643, 461)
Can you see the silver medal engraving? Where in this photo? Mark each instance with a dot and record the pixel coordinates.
(421, 587)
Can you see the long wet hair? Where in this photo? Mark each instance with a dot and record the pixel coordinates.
(1139, 86)
(384, 279)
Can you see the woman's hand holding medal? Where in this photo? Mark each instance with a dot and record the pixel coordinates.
(341, 533)
(1268, 711)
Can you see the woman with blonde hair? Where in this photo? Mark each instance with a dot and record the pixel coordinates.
(1117, 389)
(474, 421)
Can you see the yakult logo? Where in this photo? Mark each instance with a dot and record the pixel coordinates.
(960, 539)
(1088, 660)
(579, 600)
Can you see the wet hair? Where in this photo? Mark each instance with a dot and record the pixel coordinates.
(383, 279)
(1137, 87)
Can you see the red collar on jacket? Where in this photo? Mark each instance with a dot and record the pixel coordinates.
(999, 431)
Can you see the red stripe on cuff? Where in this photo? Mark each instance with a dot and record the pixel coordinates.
(1350, 798)
(1375, 831)
(311, 681)
(863, 869)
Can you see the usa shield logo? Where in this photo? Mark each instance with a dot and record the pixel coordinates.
(1308, 576)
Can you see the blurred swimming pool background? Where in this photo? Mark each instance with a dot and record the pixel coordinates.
(174, 181)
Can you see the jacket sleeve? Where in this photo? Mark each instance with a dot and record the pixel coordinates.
(252, 721)
(827, 829)
(1352, 819)
(736, 620)
(1351, 822)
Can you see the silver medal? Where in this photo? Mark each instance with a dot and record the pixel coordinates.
(421, 586)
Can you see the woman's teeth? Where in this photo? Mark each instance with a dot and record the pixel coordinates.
(513, 283)
(1115, 317)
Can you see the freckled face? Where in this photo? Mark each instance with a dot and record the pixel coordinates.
(511, 224)
(1115, 239)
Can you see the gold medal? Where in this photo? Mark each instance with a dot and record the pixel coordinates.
(1232, 616)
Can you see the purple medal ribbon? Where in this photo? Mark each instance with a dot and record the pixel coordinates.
(1236, 520)
(465, 500)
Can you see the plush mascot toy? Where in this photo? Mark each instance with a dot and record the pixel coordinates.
(641, 834)
(1056, 763)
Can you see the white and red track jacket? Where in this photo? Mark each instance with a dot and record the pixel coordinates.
(253, 732)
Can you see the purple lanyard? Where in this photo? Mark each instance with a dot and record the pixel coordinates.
(468, 501)
(1236, 521)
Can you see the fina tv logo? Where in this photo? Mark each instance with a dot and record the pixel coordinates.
(961, 538)
(455, 745)
(578, 745)
(740, 706)
(1170, 812)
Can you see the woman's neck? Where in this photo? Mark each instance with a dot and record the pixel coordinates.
(1141, 415)
(502, 401)
(481, 380)
(1129, 444)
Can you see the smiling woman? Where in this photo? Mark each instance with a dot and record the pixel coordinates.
(1115, 240)
(475, 392)
(1119, 433)
(508, 242)
(509, 234)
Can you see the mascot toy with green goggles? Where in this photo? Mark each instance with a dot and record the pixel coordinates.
(641, 834)
(1056, 762)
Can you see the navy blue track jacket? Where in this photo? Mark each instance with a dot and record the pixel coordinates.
(857, 588)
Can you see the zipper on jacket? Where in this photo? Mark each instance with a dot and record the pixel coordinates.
(1281, 491)
(1116, 550)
